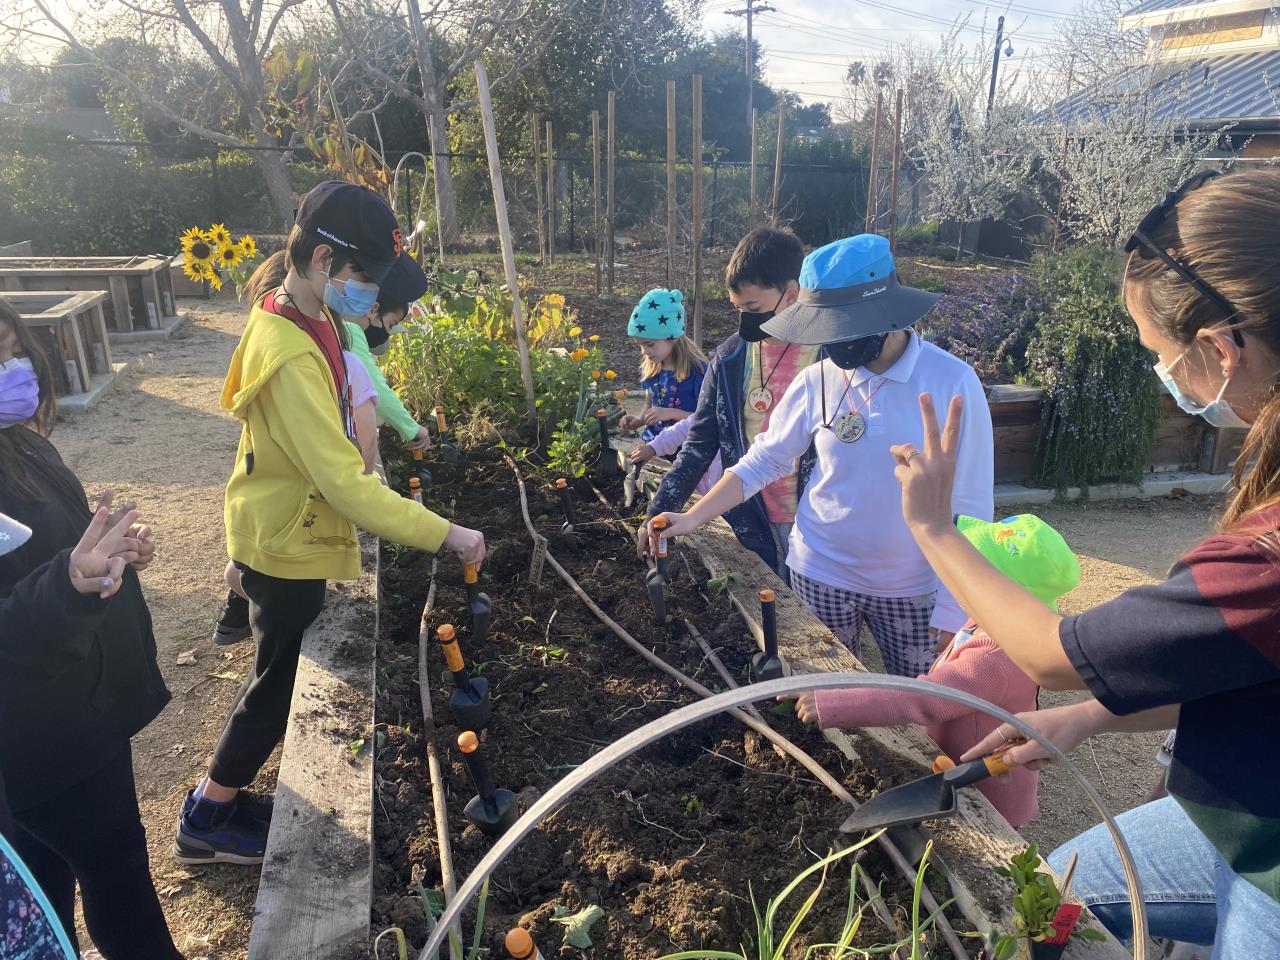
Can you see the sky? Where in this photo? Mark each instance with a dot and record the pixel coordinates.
(808, 43)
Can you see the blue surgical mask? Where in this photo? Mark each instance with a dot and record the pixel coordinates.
(1217, 413)
(19, 392)
(355, 299)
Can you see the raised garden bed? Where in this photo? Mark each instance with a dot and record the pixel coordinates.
(141, 292)
(73, 331)
(667, 842)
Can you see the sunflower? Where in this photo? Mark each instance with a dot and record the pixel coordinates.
(214, 278)
(220, 235)
(197, 252)
(229, 255)
(248, 247)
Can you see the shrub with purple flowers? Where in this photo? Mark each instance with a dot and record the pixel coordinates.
(987, 325)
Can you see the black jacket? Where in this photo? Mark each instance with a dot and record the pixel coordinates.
(78, 674)
(716, 427)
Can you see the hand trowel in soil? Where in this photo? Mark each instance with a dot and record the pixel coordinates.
(608, 456)
(631, 486)
(928, 798)
(447, 448)
(767, 665)
(570, 514)
(480, 604)
(469, 702)
(656, 579)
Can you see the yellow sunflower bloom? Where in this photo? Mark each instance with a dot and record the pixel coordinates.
(579, 355)
(220, 235)
(229, 255)
(611, 374)
(575, 331)
(594, 338)
(193, 234)
(213, 278)
(248, 247)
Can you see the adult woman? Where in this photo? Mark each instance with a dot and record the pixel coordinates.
(78, 675)
(1202, 649)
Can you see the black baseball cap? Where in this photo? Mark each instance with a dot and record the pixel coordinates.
(404, 284)
(357, 220)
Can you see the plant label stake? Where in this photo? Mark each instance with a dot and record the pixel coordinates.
(656, 579)
(570, 514)
(469, 702)
(608, 459)
(766, 664)
(493, 811)
(480, 604)
(521, 946)
(928, 798)
(447, 449)
(538, 560)
(424, 475)
(415, 490)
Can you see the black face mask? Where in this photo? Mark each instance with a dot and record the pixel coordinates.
(377, 335)
(851, 354)
(749, 324)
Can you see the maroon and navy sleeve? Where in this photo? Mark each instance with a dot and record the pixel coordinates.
(1211, 627)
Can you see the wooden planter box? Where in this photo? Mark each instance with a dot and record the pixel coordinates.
(1182, 442)
(71, 326)
(140, 292)
(21, 249)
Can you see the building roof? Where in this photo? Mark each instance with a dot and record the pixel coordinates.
(1152, 13)
(1207, 93)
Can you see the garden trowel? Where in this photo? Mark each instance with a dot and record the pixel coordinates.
(656, 579)
(447, 448)
(480, 604)
(570, 514)
(928, 798)
(631, 486)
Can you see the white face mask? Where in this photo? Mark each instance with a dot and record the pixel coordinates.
(1218, 412)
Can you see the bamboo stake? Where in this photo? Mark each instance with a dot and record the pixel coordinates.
(872, 200)
(893, 178)
(775, 219)
(537, 187)
(595, 199)
(504, 235)
(609, 209)
(671, 183)
(696, 329)
(755, 117)
(551, 197)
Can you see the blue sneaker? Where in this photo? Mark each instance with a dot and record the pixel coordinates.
(219, 833)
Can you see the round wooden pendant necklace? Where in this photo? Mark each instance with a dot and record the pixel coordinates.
(761, 398)
(852, 426)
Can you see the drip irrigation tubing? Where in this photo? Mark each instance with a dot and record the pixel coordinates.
(754, 722)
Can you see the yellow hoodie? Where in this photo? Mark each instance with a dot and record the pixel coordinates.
(299, 483)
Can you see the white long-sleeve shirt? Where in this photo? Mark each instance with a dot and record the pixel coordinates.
(849, 530)
(668, 442)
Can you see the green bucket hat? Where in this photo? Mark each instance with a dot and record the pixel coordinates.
(1026, 549)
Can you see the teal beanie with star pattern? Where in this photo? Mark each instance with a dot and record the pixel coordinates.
(658, 316)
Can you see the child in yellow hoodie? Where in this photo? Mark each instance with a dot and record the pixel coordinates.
(298, 491)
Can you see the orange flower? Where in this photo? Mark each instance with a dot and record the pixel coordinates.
(594, 338)
(595, 374)
(579, 355)
(611, 374)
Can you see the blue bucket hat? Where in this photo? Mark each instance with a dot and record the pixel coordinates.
(658, 316)
(849, 289)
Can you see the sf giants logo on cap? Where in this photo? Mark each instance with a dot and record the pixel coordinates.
(397, 240)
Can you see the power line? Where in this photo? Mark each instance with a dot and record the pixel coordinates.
(750, 11)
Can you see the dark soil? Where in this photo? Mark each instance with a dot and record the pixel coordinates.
(669, 841)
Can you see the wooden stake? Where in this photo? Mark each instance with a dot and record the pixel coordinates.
(893, 178)
(595, 199)
(775, 217)
(504, 235)
(671, 183)
(608, 224)
(537, 186)
(755, 118)
(551, 197)
(695, 333)
(872, 200)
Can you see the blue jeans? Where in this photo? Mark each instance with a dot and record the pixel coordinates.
(1191, 894)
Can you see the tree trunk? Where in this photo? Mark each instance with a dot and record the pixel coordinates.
(276, 174)
(434, 113)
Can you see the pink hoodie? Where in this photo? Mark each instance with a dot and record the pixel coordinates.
(976, 665)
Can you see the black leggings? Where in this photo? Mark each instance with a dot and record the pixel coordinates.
(91, 834)
(279, 612)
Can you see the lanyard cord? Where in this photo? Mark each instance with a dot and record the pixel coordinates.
(764, 382)
(848, 384)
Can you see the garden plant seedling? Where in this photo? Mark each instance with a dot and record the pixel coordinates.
(608, 458)
(928, 798)
(420, 468)
(521, 946)
(656, 578)
(493, 811)
(447, 448)
(766, 665)
(480, 604)
(570, 515)
(415, 490)
(469, 702)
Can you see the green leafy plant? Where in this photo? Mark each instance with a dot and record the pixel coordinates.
(577, 926)
(1101, 400)
(692, 804)
(1034, 906)
(573, 446)
(771, 942)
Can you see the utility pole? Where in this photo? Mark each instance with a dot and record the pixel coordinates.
(750, 11)
(995, 67)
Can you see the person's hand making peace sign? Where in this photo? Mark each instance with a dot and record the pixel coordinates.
(927, 475)
(97, 563)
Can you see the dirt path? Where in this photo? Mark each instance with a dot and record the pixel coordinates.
(161, 439)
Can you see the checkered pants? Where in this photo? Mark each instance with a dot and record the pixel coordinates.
(899, 624)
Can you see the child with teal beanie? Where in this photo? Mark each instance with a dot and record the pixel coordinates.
(672, 366)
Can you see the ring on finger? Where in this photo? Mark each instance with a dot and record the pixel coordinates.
(913, 453)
